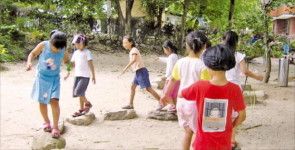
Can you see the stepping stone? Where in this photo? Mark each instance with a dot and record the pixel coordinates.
(44, 141)
(120, 115)
(252, 97)
(162, 115)
(83, 120)
(159, 84)
(246, 87)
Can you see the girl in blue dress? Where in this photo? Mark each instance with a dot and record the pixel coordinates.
(46, 88)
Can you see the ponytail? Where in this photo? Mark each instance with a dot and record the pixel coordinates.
(170, 45)
(230, 39)
(196, 40)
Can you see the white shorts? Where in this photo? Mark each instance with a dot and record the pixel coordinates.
(187, 113)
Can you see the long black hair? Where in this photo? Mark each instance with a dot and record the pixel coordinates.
(231, 39)
(170, 45)
(196, 40)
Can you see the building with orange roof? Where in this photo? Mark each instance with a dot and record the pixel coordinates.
(284, 20)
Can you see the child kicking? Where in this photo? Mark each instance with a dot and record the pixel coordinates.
(215, 101)
(141, 76)
(82, 61)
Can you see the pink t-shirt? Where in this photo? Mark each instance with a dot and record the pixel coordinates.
(215, 105)
(138, 60)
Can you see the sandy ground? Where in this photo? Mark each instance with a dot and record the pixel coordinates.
(20, 118)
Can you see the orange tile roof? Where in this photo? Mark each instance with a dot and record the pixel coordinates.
(282, 10)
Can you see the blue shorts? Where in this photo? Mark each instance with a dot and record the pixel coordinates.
(142, 78)
(80, 86)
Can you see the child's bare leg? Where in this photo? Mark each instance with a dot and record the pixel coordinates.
(188, 134)
(233, 137)
(154, 93)
(174, 101)
(43, 111)
(83, 100)
(132, 94)
(55, 111)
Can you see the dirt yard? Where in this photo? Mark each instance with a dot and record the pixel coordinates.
(270, 125)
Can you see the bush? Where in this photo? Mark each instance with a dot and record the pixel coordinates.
(11, 43)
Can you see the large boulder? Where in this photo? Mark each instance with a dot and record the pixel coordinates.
(120, 115)
(44, 141)
(83, 120)
(162, 115)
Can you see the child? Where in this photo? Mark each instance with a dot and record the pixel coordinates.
(171, 51)
(188, 70)
(82, 60)
(215, 101)
(46, 88)
(142, 76)
(231, 39)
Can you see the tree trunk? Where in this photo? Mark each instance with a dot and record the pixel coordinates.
(159, 17)
(183, 23)
(267, 50)
(129, 5)
(120, 17)
(231, 13)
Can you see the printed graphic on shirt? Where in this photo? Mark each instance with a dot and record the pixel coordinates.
(214, 115)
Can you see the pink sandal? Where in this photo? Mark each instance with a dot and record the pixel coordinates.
(172, 109)
(88, 105)
(55, 133)
(46, 126)
(78, 113)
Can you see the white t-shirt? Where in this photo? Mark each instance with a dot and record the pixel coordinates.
(189, 70)
(81, 58)
(138, 61)
(171, 61)
(233, 75)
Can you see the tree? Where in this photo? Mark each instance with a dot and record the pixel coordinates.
(183, 23)
(124, 23)
(230, 14)
(120, 16)
(128, 27)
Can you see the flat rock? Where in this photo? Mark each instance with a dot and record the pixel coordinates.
(252, 97)
(43, 140)
(246, 87)
(83, 120)
(162, 115)
(158, 83)
(120, 115)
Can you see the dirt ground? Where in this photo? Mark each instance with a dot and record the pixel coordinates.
(270, 125)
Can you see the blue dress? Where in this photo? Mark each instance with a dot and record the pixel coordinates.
(47, 81)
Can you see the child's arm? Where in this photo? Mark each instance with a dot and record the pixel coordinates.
(248, 72)
(133, 60)
(69, 68)
(90, 63)
(241, 117)
(68, 74)
(66, 58)
(35, 52)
